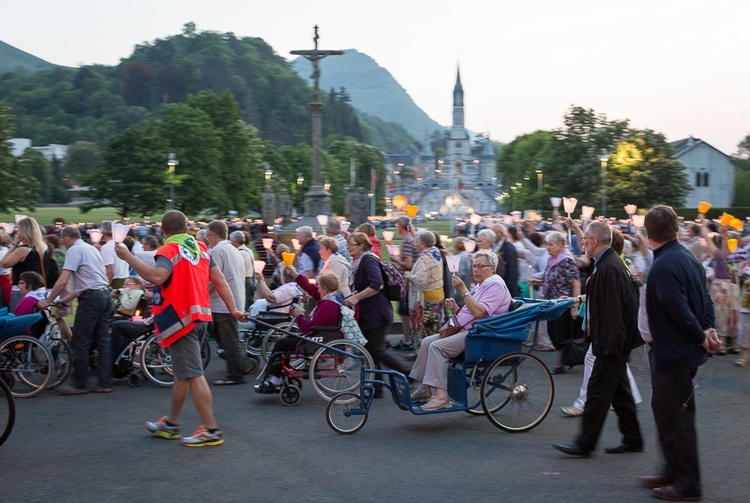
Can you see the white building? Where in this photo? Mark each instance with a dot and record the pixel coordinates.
(709, 171)
(19, 145)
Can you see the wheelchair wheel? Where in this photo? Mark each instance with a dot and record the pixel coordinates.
(473, 390)
(7, 411)
(272, 335)
(28, 364)
(345, 413)
(205, 352)
(517, 392)
(60, 351)
(134, 380)
(332, 373)
(295, 381)
(156, 364)
(290, 395)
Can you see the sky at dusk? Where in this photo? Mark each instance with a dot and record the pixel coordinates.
(677, 67)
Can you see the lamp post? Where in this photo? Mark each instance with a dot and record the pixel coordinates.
(539, 184)
(300, 180)
(172, 163)
(603, 158)
(268, 173)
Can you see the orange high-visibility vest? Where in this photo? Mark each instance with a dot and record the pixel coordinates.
(183, 299)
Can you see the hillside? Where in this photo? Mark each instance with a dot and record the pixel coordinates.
(13, 60)
(372, 89)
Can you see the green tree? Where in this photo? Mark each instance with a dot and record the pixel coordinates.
(34, 165)
(19, 188)
(83, 159)
(133, 177)
(519, 161)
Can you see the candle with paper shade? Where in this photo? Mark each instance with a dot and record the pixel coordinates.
(639, 220)
(630, 209)
(556, 201)
(259, 265)
(20, 217)
(453, 262)
(470, 245)
(345, 226)
(288, 258)
(137, 318)
(388, 236)
(95, 235)
(703, 207)
(732, 244)
(736, 223)
(323, 221)
(119, 232)
(9, 228)
(393, 250)
(267, 243)
(411, 210)
(726, 219)
(569, 204)
(295, 244)
(474, 220)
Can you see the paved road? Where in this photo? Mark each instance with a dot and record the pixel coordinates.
(94, 448)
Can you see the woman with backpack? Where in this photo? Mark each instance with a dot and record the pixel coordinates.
(426, 293)
(372, 308)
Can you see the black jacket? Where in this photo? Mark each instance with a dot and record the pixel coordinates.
(679, 308)
(612, 309)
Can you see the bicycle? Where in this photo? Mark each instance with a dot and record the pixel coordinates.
(58, 347)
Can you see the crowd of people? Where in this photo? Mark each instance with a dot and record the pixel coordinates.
(678, 287)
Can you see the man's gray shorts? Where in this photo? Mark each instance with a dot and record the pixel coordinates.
(186, 353)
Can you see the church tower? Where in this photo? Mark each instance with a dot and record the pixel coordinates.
(459, 150)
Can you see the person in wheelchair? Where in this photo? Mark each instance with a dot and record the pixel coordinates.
(127, 299)
(327, 313)
(489, 297)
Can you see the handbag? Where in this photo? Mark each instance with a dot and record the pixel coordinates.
(574, 352)
(449, 328)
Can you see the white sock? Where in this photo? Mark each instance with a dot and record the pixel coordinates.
(275, 380)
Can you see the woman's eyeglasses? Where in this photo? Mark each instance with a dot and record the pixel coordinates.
(479, 266)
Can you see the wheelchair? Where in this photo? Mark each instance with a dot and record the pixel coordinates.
(332, 364)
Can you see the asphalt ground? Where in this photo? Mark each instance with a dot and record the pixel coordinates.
(94, 447)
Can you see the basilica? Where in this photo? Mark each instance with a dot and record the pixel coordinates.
(457, 183)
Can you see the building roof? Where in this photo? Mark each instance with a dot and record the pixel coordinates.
(682, 147)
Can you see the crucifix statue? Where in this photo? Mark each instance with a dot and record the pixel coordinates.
(314, 56)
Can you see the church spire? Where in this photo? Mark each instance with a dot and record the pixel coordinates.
(458, 91)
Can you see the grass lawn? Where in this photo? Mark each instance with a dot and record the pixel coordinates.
(47, 215)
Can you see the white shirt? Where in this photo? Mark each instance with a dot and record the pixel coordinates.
(121, 269)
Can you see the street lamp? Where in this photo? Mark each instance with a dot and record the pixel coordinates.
(268, 173)
(300, 179)
(603, 158)
(539, 184)
(327, 185)
(172, 163)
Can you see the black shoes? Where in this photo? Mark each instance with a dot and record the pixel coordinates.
(623, 448)
(267, 388)
(572, 450)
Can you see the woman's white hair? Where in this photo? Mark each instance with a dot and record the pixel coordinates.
(489, 255)
(553, 237)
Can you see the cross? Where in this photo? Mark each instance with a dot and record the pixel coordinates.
(315, 55)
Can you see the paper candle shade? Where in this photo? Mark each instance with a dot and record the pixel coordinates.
(470, 245)
(322, 220)
(475, 219)
(9, 228)
(638, 220)
(388, 235)
(587, 211)
(570, 204)
(345, 226)
(20, 217)
(726, 219)
(259, 265)
(453, 262)
(732, 244)
(556, 201)
(95, 235)
(295, 243)
(267, 243)
(119, 232)
(736, 223)
(703, 207)
(288, 258)
(411, 210)
(630, 209)
(393, 250)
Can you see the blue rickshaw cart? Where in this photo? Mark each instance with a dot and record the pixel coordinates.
(493, 376)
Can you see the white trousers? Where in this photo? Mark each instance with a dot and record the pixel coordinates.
(587, 368)
(431, 367)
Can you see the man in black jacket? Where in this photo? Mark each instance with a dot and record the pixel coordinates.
(612, 325)
(507, 252)
(681, 320)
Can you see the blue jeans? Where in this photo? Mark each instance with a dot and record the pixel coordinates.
(89, 327)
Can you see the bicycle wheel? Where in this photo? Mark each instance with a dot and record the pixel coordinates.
(332, 373)
(345, 413)
(205, 352)
(29, 364)
(272, 335)
(473, 390)
(7, 411)
(156, 364)
(517, 392)
(60, 351)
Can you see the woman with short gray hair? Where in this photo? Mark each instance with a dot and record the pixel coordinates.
(425, 292)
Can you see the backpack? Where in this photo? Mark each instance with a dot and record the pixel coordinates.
(394, 287)
(447, 279)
